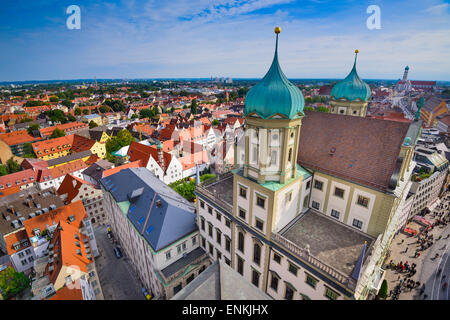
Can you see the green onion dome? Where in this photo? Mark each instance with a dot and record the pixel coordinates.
(352, 87)
(274, 94)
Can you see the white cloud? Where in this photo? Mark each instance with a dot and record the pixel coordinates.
(438, 9)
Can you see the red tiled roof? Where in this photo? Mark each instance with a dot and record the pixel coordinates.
(67, 186)
(60, 171)
(134, 164)
(18, 137)
(67, 128)
(14, 237)
(365, 149)
(138, 151)
(17, 179)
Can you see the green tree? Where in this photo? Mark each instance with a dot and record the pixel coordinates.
(34, 103)
(215, 122)
(13, 166)
(92, 124)
(3, 170)
(12, 283)
(77, 111)
(71, 118)
(186, 190)
(33, 127)
(54, 99)
(308, 108)
(24, 120)
(56, 115)
(146, 113)
(123, 138)
(66, 103)
(134, 116)
(194, 106)
(383, 290)
(104, 109)
(85, 111)
(57, 133)
(322, 109)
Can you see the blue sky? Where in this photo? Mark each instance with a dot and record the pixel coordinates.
(230, 38)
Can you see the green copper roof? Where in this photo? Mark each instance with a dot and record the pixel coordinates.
(274, 94)
(352, 87)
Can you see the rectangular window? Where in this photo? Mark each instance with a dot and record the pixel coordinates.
(227, 261)
(240, 266)
(168, 255)
(315, 205)
(255, 278)
(318, 185)
(335, 214)
(260, 202)
(243, 192)
(210, 210)
(211, 249)
(210, 230)
(357, 223)
(311, 281)
(259, 224)
(228, 222)
(289, 295)
(330, 294)
(194, 241)
(276, 258)
(339, 192)
(227, 244)
(218, 216)
(202, 204)
(363, 201)
(241, 213)
(288, 197)
(293, 269)
(308, 185)
(202, 221)
(203, 243)
(274, 283)
(219, 254)
(219, 236)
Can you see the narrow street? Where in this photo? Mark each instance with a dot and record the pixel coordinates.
(117, 278)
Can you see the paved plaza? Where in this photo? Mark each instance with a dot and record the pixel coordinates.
(432, 259)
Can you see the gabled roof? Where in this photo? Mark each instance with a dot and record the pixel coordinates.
(159, 214)
(363, 150)
(138, 151)
(71, 186)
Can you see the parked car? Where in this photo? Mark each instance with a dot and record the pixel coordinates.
(117, 253)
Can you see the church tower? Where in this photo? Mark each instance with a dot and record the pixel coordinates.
(273, 113)
(350, 96)
(405, 74)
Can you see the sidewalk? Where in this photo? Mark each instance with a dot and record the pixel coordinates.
(425, 265)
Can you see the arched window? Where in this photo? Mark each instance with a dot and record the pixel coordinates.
(256, 253)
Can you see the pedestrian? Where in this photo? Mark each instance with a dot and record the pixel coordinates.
(406, 250)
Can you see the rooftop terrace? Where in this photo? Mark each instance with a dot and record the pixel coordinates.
(330, 241)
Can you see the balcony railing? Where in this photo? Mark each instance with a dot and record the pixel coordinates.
(302, 254)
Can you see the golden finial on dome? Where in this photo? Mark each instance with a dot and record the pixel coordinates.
(356, 51)
(277, 30)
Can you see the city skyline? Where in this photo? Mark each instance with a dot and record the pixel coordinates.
(148, 40)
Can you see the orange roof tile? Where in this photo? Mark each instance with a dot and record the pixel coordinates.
(134, 164)
(14, 237)
(18, 137)
(66, 293)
